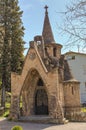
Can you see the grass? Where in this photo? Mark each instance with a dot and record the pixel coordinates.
(7, 105)
(6, 113)
(7, 108)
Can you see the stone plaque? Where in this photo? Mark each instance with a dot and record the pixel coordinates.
(32, 56)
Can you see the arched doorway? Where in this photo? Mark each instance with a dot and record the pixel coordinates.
(41, 99)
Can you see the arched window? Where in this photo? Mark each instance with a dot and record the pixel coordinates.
(72, 90)
(54, 52)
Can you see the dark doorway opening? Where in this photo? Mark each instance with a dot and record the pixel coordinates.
(40, 83)
(41, 102)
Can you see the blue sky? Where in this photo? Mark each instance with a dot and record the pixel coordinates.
(33, 17)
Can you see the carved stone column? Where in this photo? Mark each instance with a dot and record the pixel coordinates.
(15, 109)
(56, 111)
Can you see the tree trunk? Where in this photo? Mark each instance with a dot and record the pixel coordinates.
(3, 95)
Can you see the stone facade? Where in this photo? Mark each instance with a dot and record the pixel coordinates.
(45, 85)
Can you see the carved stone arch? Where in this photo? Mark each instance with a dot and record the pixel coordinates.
(28, 92)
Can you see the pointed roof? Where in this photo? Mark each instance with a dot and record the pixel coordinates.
(47, 31)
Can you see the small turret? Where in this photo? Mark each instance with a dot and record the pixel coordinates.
(51, 48)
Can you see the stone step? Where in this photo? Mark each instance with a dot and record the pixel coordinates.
(36, 119)
(41, 119)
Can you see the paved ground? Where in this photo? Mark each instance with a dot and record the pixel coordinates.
(6, 125)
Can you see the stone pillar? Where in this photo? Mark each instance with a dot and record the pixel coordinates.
(15, 109)
(56, 111)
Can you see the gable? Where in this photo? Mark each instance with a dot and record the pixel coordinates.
(32, 61)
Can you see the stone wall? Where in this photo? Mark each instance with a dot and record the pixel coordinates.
(77, 116)
(71, 97)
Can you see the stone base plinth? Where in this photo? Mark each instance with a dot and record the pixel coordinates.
(42, 119)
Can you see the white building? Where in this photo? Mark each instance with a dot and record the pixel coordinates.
(77, 63)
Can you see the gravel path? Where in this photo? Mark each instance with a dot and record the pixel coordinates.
(7, 125)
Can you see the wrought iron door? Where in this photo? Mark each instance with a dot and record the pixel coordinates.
(41, 102)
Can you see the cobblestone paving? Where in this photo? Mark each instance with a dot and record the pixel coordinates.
(7, 125)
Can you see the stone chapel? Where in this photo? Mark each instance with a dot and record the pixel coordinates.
(45, 84)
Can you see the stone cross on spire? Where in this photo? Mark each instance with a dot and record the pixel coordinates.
(47, 31)
(46, 8)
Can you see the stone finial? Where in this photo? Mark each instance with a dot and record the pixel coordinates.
(46, 8)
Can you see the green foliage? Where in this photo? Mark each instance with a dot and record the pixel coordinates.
(17, 46)
(17, 128)
(83, 109)
(13, 45)
(7, 105)
(6, 114)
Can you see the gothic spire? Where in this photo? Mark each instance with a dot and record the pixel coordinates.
(47, 31)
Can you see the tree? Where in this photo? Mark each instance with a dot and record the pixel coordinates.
(13, 44)
(1, 45)
(75, 24)
(5, 22)
(17, 47)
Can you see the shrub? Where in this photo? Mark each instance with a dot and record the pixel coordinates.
(17, 128)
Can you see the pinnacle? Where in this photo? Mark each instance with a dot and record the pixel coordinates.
(47, 31)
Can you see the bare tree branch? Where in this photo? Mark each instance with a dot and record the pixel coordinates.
(75, 23)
